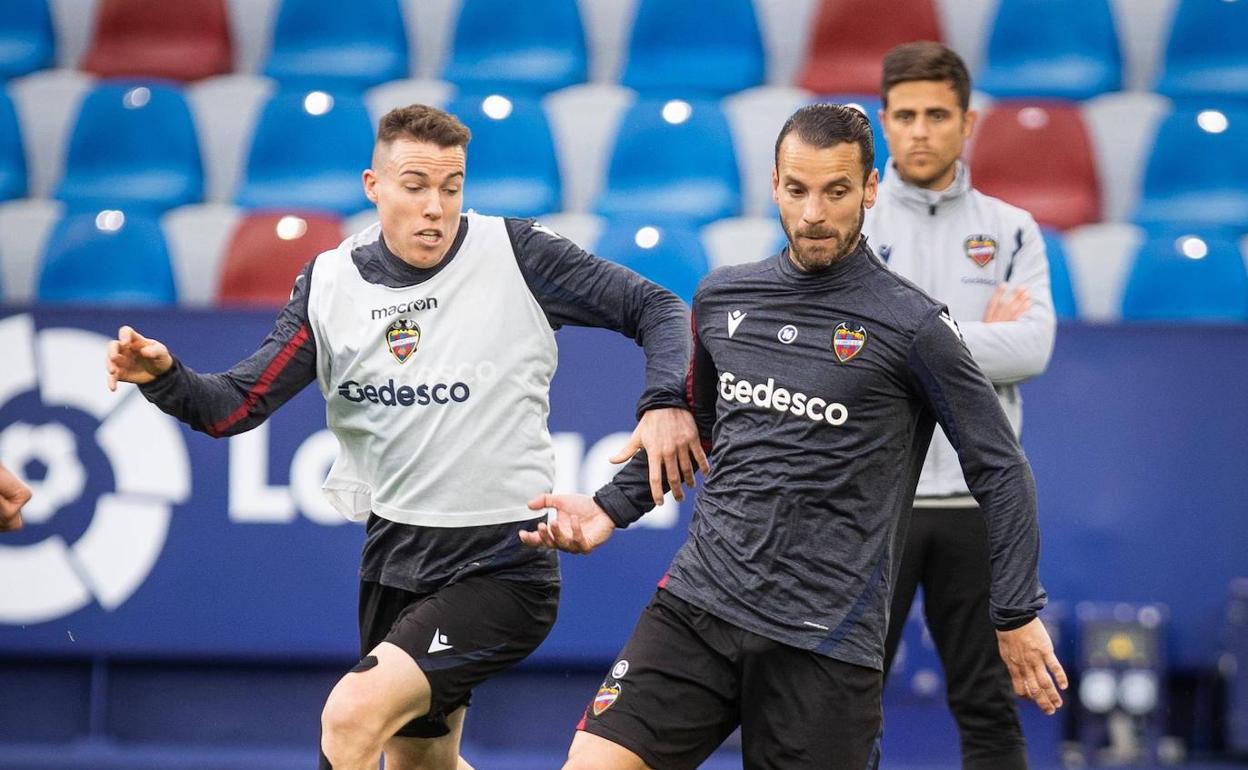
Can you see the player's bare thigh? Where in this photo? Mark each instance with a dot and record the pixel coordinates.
(370, 705)
(591, 752)
(430, 753)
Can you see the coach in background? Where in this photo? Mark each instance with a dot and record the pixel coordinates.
(985, 260)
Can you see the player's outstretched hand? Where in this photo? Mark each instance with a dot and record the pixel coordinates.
(13, 495)
(1002, 308)
(1028, 654)
(135, 358)
(580, 525)
(671, 441)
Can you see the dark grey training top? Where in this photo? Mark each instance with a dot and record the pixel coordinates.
(572, 287)
(820, 393)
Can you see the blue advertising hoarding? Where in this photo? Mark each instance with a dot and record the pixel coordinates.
(149, 540)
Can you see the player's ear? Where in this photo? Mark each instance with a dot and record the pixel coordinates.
(775, 184)
(369, 179)
(871, 189)
(968, 123)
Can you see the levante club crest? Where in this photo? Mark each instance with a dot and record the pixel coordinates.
(402, 338)
(980, 248)
(847, 342)
(605, 697)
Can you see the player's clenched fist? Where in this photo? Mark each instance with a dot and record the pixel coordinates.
(135, 358)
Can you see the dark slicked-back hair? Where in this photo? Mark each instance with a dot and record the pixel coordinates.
(926, 60)
(423, 124)
(827, 125)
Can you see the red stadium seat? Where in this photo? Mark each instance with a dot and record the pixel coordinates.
(1037, 155)
(851, 37)
(154, 39)
(267, 251)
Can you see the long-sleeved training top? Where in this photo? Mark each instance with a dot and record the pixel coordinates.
(819, 392)
(437, 386)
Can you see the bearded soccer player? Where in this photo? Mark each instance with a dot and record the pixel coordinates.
(431, 336)
(817, 377)
(985, 259)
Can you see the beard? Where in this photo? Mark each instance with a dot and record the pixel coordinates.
(814, 257)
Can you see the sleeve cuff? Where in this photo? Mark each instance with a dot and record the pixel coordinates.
(618, 507)
(162, 381)
(660, 401)
(1014, 622)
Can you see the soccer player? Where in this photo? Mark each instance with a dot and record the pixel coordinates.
(13, 495)
(431, 337)
(818, 376)
(985, 260)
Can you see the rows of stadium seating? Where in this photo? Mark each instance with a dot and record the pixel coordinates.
(1122, 168)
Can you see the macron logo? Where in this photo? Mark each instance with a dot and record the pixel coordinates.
(734, 320)
(440, 642)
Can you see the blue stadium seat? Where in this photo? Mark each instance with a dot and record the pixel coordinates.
(673, 160)
(107, 257)
(692, 46)
(534, 46)
(338, 45)
(12, 156)
(1207, 55)
(512, 169)
(1197, 171)
(132, 146)
(1064, 49)
(307, 153)
(870, 106)
(26, 40)
(670, 254)
(1179, 276)
(1064, 304)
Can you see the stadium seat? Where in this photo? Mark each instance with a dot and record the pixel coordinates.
(584, 120)
(851, 37)
(12, 152)
(267, 250)
(338, 45)
(26, 40)
(742, 239)
(132, 147)
(307, 153)
(756, 117)
(196, 236)
(1207, 55)
(1122, 127)
(107, 257)
(1037, 155)
(1197, 173)
(1064, 304)
(142, 38)
(226, 110)
(512, 169)
(24, 227)
(671, 255)
(1098, 258)
(536, 46)
(1061, 49)
(1180, 276)
(707, 47)
(673, 160)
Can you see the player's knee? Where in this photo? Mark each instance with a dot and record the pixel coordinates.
(350, 729)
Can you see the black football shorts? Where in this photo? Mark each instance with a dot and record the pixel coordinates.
(686, 679)
(460, 635)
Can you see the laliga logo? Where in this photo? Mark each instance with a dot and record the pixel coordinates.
(111, 558)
